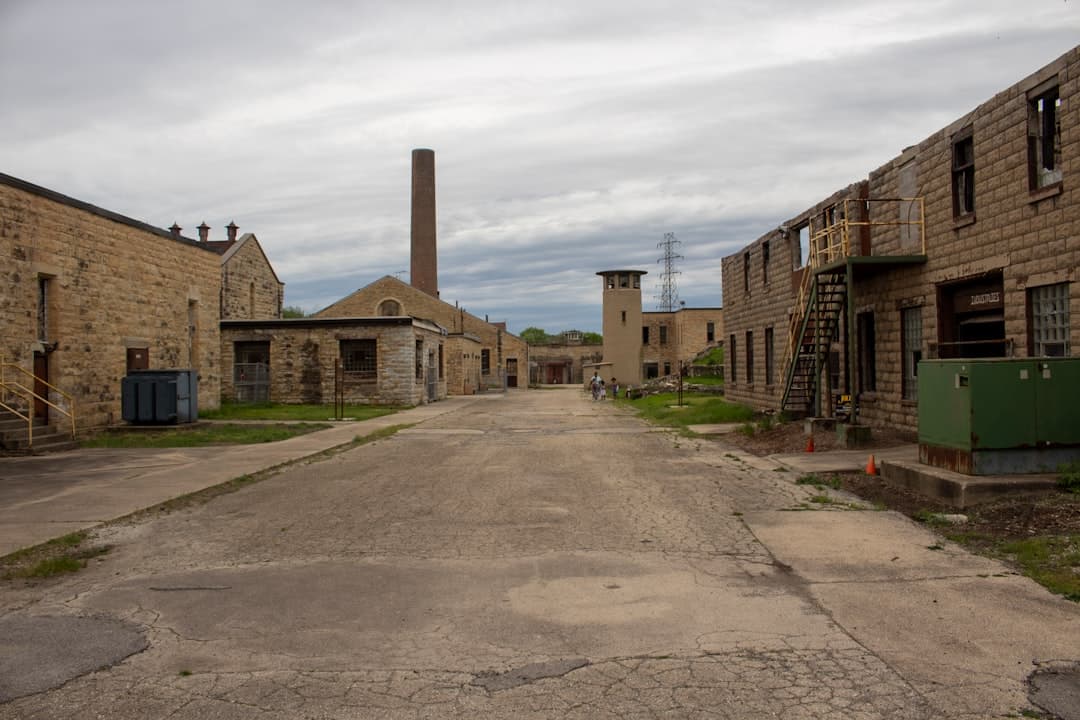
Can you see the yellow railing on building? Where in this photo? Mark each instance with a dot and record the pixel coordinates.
(830, 239)
(28, 396)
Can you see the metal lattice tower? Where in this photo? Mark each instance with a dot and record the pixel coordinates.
(669, 292)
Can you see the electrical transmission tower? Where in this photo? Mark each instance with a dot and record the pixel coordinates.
(669, 292)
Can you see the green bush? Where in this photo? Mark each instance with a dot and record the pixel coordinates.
(1069, 479)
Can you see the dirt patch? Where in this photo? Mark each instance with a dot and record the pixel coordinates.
(768, 439)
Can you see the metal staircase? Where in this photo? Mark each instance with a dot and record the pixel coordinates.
(817, 327)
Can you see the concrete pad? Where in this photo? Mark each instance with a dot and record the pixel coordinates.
(959, 490)
(714, 428)
(843, 460)
(861, 546)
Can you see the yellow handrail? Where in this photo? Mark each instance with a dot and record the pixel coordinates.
(28, 393)
(833, 242)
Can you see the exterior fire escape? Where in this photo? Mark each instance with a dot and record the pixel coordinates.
(840, 242)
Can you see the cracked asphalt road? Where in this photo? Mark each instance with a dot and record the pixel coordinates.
(542, 556)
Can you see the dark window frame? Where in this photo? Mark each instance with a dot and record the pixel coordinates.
(749, 357)
(1044, 137)
(963, 173)
(359, 358)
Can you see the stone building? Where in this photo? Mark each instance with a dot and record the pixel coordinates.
(393, 360)
(642, 345)
(563, 360)
(501, 358)
(250, 288)
(672, 339)
(87, 294)
(964, 245)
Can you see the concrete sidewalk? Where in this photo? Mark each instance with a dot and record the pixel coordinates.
(46, 496)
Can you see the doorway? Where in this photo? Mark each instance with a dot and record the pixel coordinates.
(41, 387)
(971, 322)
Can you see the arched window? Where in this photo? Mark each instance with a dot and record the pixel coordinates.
(389, 308)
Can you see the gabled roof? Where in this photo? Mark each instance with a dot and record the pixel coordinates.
(233, 247)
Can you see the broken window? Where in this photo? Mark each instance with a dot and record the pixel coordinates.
(746, 271)
(645, 335)
(358, 359)
(1044, 138)
(911, 347)
(800, 246)
(710, 332)
(663, 334)
(485, 361)
(963, 174)
(765, 263)
(624, 280)
(1048, 308)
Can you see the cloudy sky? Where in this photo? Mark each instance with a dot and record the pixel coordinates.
(568, 136)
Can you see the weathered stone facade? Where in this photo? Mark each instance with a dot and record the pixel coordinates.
(501, 352)
(1002, 229)
(250, 289)
(301, 354)
(462, 364)
(110, 285)
(675, 338)
(562, 363)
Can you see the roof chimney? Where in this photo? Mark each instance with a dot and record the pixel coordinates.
(232, 227)
(424, 272)
(204, 232)
(175, 230)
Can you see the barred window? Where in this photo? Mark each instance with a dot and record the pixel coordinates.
(770, 357)
(1049, 311)
(359, 360)
(485, 361)
(911, 321)
(1044, 138)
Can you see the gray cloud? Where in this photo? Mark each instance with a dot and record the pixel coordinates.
(569, 136)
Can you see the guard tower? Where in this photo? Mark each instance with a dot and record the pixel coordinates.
(622, 324)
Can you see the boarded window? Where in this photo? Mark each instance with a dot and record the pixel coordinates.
(1049, 320)
(867, 358)
(389, 308)
(663, 334)
(710, 332)
(359, 360)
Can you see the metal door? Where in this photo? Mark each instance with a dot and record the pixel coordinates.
(432, 378)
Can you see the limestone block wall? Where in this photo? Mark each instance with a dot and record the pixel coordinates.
(1031, 237)
(303, 354)
(250, 290)
(462, 364)
(113, 284)
(1027, 236)
(501, 345)
(691, 331)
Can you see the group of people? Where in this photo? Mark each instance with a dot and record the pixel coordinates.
(599, 388)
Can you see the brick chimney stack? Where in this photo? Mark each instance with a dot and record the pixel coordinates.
(424, 272)
(204, 232)
(175, 230)
(232, 227)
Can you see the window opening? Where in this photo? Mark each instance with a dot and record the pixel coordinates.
(1049, 311)
(359, 360)
(732, 354)
(765, 263)
(710, 332)
(770, 358)
(746, 272)
(911, 341)
(749, 357)
(663, 334)
(645, 335)
(485, 361)
(43, 309)
(867, 358)
(1044, 139)
(963, 175)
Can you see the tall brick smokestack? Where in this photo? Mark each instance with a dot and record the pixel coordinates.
(424, 267)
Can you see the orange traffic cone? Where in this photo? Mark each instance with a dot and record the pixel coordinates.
(871, 469)
(810, 444)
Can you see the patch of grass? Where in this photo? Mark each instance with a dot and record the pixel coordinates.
(53, 560)
(713, 357)
(179, 436)
(703, 380)
(699, 409)
(928, 517)
(746, 429)
(817, 481)
(821, 499)
(279, 411)
(184, 673)
(1052, 561)
(1069, 478)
